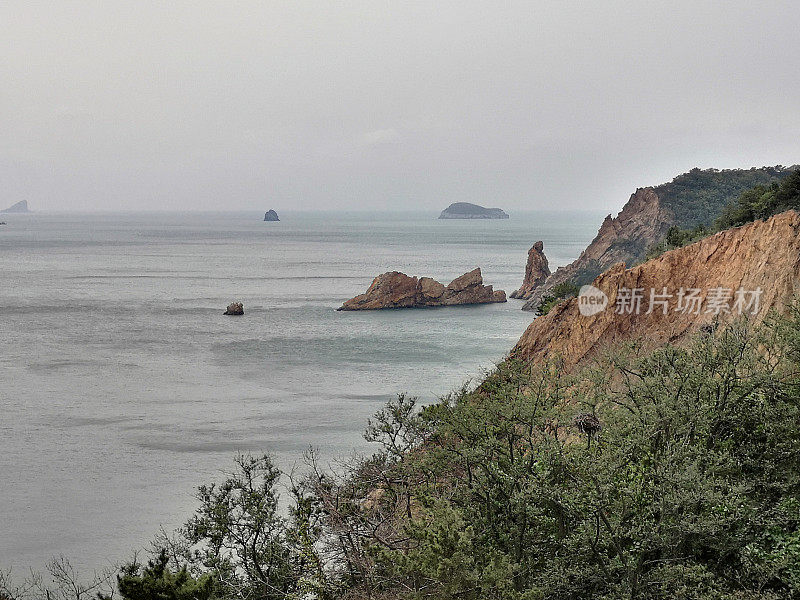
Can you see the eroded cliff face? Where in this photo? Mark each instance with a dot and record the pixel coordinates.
(625, 238)
(398, 290)
(536, 272)
(736, 264)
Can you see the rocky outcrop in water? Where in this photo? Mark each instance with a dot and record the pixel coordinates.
(725, 268)
(536, 272)
(271, 215)
(234, 309)
(19, 207)
(398, 290)
(466, 210)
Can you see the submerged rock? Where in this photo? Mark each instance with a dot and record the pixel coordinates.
(271, 215)
(398, 290)
(466, 210)
(536, 271)
(235, 309)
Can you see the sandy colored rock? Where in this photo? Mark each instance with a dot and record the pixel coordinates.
(536, 272)
(762, 255)
(398, 290)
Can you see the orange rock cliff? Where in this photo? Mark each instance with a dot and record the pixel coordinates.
(757, 265)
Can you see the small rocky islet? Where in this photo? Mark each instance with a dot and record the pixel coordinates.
(398, 290)
(271, 215)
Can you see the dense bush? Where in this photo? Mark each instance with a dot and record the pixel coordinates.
(759, 202)
(699, 196)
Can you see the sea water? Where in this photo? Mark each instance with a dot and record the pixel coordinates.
(123, 387)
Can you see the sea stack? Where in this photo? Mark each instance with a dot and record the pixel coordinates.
(465, 210)
(19, 207)
(536, 271)
(235, 309)
(398, 290)
(271, 215)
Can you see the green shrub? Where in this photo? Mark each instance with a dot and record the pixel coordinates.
(673, 473)
(560, 292)
(760, 202)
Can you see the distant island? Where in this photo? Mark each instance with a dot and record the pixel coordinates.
(271, 215)
(19, 207)
(465, 210)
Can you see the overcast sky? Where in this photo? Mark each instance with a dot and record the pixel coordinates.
(386, 105)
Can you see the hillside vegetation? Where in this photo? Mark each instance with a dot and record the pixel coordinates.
(698, 197)
(669, 474)
(758, 202)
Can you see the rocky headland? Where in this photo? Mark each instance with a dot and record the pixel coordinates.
(763, 255)
(19, 207)
(398, 290)
(466, 210)
(536, 272)
(693, 198)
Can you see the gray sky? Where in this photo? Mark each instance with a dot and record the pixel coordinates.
(257, 105)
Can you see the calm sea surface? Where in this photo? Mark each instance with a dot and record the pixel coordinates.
(123, 387)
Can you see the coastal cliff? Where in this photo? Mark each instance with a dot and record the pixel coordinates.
(625, 238)
(694, 198)
(763, 255)
(398, 290)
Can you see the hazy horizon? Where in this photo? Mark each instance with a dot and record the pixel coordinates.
(200, 106)
(321, 210)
